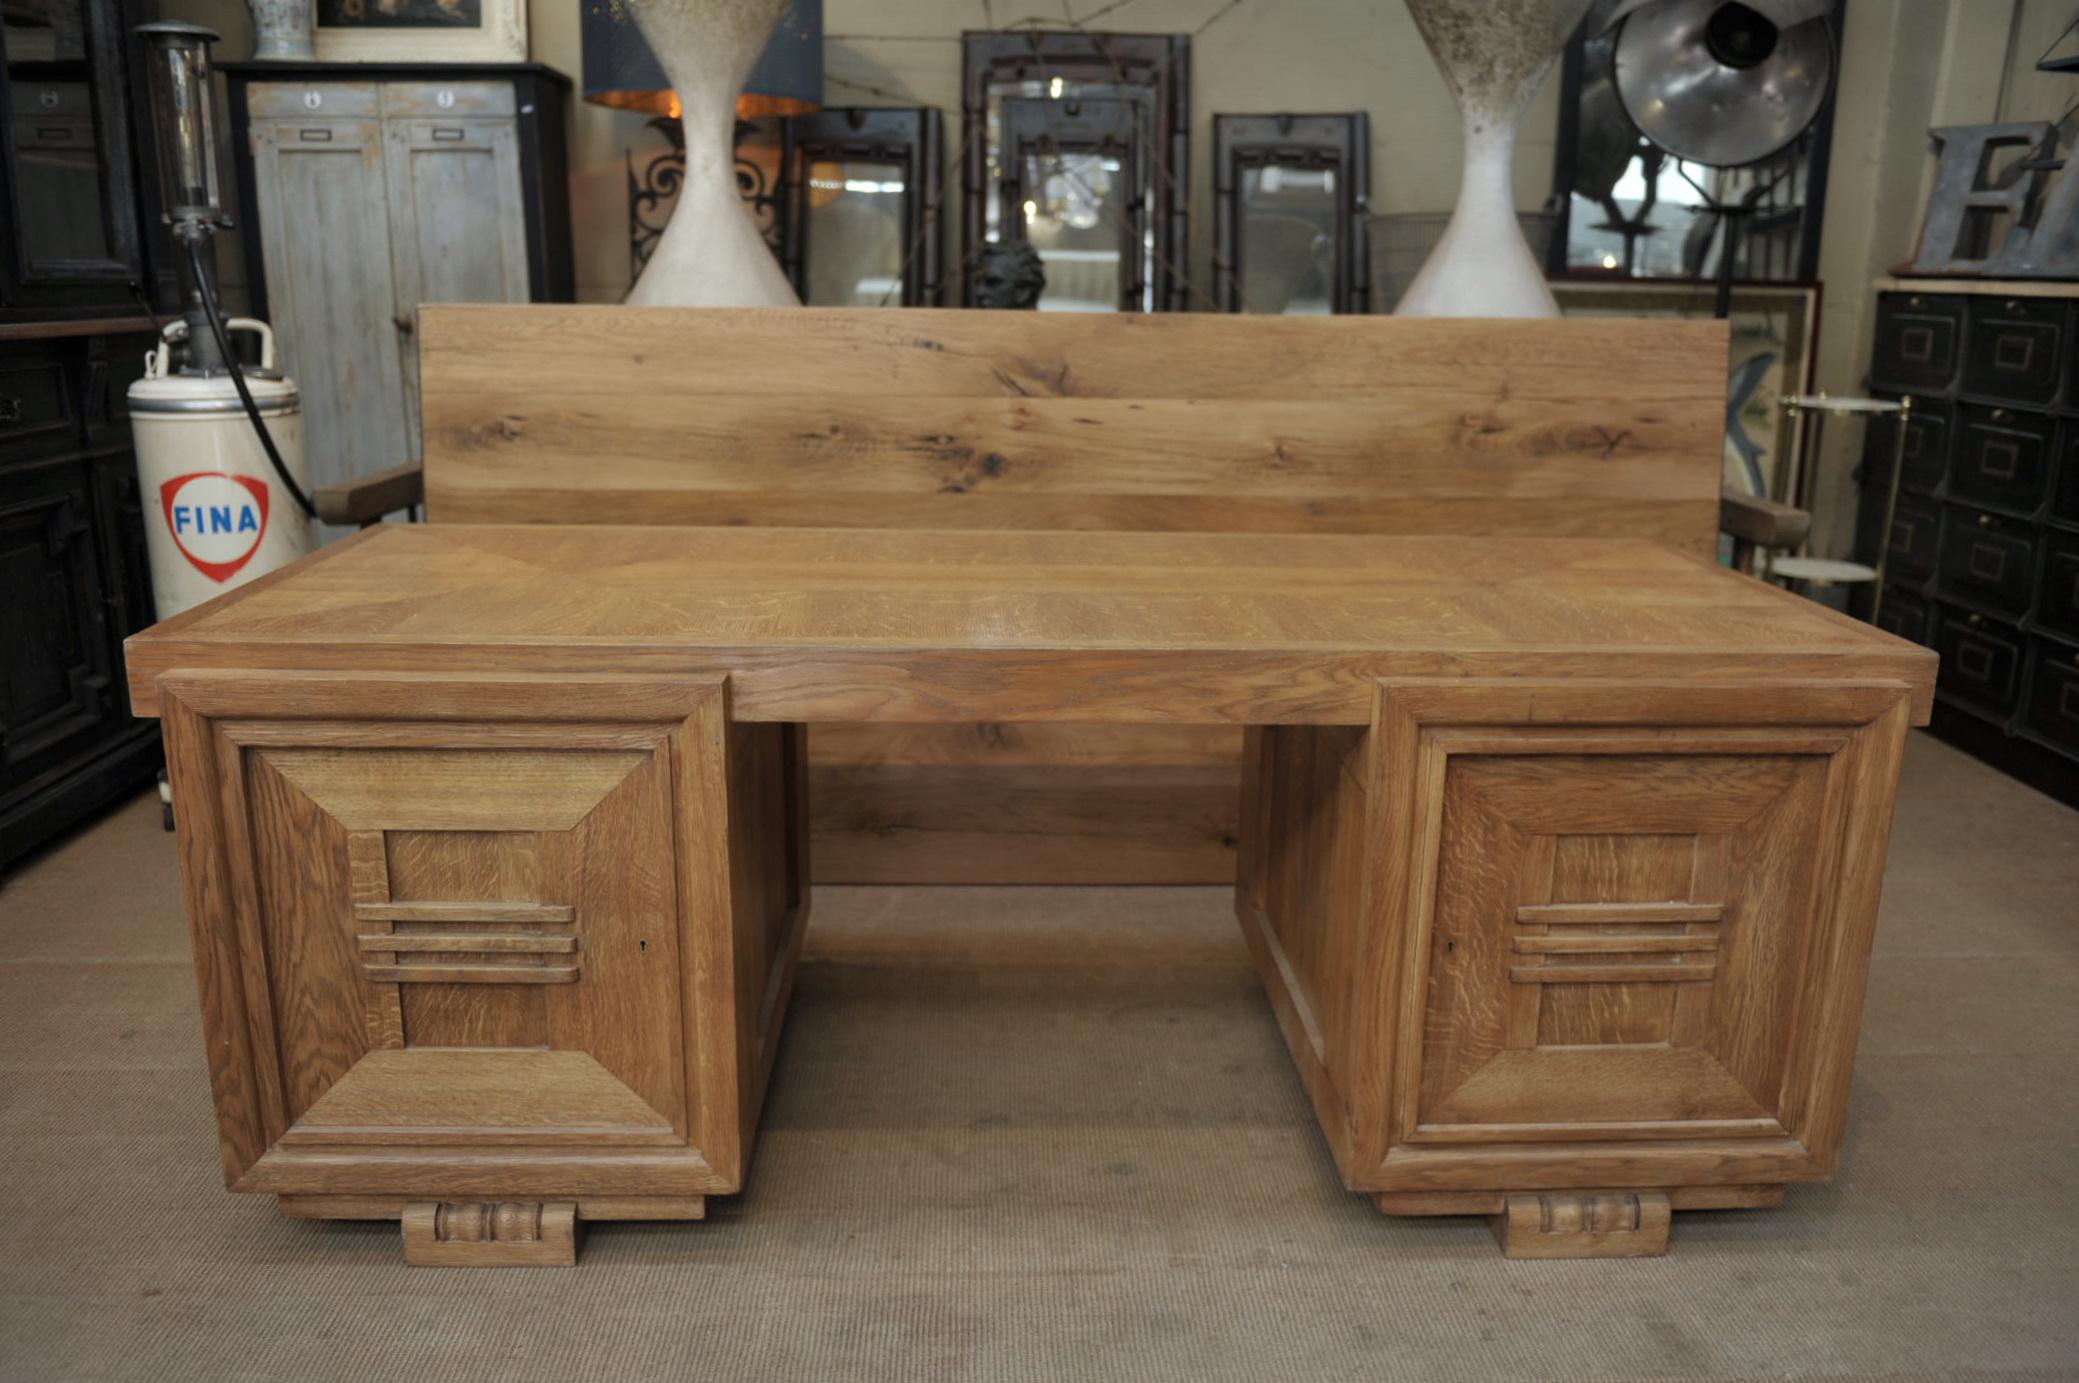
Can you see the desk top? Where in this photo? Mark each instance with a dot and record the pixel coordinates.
(923, 625)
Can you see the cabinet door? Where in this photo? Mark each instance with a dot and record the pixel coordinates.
(440, 920)
(58, 688)
(67, 195)
(457, 222)
(1636, 920)
(325, 236)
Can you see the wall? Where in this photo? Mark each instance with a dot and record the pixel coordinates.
(1907, 66)
(1247, 56)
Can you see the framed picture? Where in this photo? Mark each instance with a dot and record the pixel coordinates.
(421, 30)
(1774, 330)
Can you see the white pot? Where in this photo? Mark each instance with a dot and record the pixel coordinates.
(1494, 54)
(711, 254)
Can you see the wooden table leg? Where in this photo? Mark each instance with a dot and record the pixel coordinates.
(1583, 1224)
(504, 1234)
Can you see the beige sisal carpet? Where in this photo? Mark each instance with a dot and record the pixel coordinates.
(1053, 1134)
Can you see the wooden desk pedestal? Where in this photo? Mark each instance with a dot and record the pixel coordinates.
(487, 941)
(1572, 955)
(498, 951)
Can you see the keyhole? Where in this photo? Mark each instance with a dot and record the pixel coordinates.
(1449, 947)
(642, 945)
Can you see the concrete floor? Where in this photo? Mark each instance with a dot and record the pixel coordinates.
(1054, 1134)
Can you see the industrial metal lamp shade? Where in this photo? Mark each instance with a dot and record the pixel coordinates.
(702, 60)
(1725, 84)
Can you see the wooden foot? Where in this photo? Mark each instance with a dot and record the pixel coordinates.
(504, 1234)
(335, 1207)
(1583, 1224)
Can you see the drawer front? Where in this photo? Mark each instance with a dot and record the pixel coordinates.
(1919, 340)
(40, 133)
(2002, 457)
(31, 101)
(2058, 606)
(125, 366)
(1907, 615)
(35, 400)
(2064, 498)
(311, 100)
(1927, 445)
(1916, 526)
(2053, 695)
(58, 696)
(1926, 459)
(2016, 347)
(434, 99)
(1981, 660)
(1989, 560)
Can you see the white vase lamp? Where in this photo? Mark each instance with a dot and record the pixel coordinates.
(693, 59)
(1493, 54)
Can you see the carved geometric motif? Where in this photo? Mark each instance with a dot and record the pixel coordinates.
(1620, 929)
(1596, 964)
(1617, 942)
(439, 899)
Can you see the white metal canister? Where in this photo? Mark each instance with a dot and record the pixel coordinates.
(216, 515)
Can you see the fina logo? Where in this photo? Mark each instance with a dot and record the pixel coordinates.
(217, 520)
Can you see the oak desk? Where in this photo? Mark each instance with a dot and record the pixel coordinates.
(1560, 861)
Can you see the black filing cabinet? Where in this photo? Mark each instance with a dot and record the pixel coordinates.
(1983, 561)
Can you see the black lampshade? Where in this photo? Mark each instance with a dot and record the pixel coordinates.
(621, 71)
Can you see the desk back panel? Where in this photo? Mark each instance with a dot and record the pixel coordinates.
(554, 413)
(965, 419)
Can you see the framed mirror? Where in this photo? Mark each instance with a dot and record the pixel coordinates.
(1104, 75)
(865, 224)
(1069, 180)
(1629, 210)
(1290, 206)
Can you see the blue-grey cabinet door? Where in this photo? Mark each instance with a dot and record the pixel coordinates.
(458, 227)
(331, 289)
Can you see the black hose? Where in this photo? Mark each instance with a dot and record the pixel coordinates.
(245, 395)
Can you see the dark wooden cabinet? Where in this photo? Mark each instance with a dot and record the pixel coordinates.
(1983, 548)
(73, 567)
(79, 272)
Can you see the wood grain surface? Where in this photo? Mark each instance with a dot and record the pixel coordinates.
(1529, 934)
(1560, 860)
(554, 414)
(483, 936)
(1177, 422)
(921, 626)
